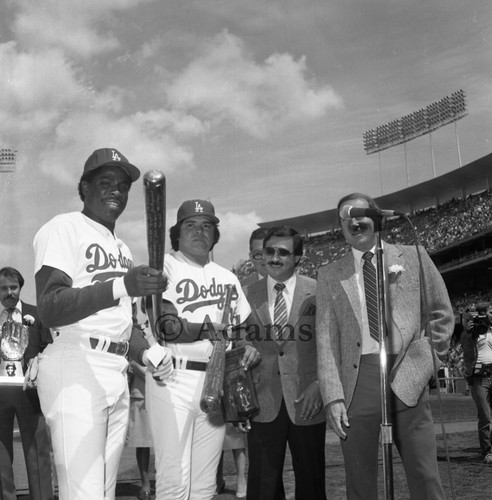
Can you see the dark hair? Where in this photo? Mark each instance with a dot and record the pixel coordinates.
(483, 307)
(89, 177)
(286, 232)
(357, 196)
(174, 235)
(10, 272)
(257, 234)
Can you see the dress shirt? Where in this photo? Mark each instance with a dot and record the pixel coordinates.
(393, 339)
(290, 285)
(16, 315)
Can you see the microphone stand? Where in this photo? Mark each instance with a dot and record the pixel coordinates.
(386, 428)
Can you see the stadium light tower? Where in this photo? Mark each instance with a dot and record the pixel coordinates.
(447, 110)
(7, 167)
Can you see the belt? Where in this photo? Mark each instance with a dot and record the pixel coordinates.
(118, 348)
(188, 364)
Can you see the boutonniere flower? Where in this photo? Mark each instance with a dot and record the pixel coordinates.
(395, 270)
(28, 320)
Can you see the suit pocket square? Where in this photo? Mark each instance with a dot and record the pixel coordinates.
(414, 372)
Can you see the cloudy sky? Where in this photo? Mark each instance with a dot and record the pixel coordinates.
(258, 106)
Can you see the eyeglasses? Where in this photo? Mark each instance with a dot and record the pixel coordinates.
(282, 252)
(257, 255)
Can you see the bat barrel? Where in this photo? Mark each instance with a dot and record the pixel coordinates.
(155, 208)
(214, 375)
(154, 182)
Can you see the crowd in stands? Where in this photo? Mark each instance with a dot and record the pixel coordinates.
(435, 228)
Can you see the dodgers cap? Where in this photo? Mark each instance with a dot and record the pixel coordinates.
(110, 156)
(191, 208)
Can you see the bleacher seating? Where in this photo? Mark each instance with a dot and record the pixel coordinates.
(436, 228)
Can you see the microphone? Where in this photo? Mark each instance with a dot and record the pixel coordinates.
(347, 212)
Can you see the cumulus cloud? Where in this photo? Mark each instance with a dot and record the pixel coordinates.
(144, 144)
(36, 88)
(235, 230)
(226, 83)
(235, 225)
(53, 106)
(70, 25)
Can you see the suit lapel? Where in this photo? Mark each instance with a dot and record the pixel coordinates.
(261, 302)
(397, 309)
(393, 257)
(300, 295)
(348, 281)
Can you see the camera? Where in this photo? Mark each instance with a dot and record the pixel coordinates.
(480, 325)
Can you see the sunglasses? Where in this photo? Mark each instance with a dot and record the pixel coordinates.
(257, 255)
(282, 252)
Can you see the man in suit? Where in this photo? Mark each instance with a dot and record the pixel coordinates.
(282, 328)
(349, 361)
(256, 256)
(14, 401)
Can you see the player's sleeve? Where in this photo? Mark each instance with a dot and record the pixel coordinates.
(53, 246)
(242, 309)
(241, 318)
(60, 304)
(138, 345)
(171, 327)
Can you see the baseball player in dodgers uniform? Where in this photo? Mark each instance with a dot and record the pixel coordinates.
(85, 280)
(187, 441)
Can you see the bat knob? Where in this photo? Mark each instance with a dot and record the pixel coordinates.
(208, 404)
(154, 177)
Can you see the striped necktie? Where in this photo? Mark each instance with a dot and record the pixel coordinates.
(370, 289)
(279, 309)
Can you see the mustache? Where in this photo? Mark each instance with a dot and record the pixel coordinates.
(358, 225)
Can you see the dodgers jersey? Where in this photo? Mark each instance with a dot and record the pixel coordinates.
(198, 293)
(88, 253)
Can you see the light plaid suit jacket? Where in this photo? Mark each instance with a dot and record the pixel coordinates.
(339, 324)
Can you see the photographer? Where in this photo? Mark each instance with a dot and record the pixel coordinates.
(477, 348)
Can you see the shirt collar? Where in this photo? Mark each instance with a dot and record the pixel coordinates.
(289, 283)
(183, 258)
(358, 254)
(100, 228)
(17, 311)
(17, 306)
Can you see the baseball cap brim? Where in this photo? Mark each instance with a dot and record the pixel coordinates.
(110, 156)
(211, 218)
(132, 171)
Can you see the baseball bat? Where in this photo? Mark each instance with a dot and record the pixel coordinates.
(214, 375)
(154, 182)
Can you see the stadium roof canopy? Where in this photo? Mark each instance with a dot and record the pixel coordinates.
(459, 183)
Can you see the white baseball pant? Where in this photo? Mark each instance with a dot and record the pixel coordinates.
(84, 397)
(187, 441)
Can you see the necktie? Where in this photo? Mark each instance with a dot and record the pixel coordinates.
(370, 289)
(6, 315)
(280, 308)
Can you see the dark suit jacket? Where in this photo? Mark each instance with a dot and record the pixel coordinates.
(285, 369)
(35, 440)
(39, 335)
